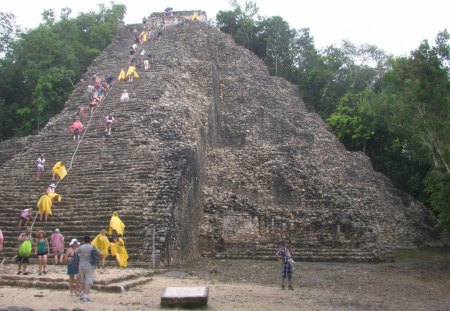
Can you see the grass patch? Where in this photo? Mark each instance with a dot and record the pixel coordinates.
(425, 255)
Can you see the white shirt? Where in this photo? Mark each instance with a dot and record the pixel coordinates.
(124, 97)
(40, 162)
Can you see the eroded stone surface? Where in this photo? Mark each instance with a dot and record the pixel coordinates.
(215, 154)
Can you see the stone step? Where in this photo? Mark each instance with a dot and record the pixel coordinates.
(54, 281)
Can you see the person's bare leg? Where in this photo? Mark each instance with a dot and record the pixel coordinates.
(44, 262)
(40, 264)
(71, 283)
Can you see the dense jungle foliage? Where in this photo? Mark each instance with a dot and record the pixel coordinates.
(38, 67)
(394, 109)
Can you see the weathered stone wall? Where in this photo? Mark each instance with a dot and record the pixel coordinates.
(155, 20)
(275, 171)
(11, 147)
(217, 156)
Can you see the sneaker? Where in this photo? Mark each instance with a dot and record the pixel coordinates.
(82, 296)
(26, 273)
(290, 287)
(282, 287)
(45, 272)
(19, 272)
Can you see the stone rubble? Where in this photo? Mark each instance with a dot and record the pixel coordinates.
(218, 156)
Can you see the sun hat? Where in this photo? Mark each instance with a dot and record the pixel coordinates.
(52, 185)
(39, 231)
(57, 230)
(73, 241)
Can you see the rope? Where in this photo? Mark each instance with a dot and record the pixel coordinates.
(79, 141)
(78, 146)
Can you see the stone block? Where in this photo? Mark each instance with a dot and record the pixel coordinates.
(185, 297)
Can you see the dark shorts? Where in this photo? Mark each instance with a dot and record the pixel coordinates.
(41, 253)
(286, 270)
(22, 259)
(25, 218)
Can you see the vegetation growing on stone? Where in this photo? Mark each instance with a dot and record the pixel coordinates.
(394, 109)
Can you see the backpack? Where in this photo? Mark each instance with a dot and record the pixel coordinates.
(25, 249)
(95, 256)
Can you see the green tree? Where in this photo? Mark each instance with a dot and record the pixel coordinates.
(417, 90)
(240, 22)
(9, 31)
(278, 38)
(36, 75)
(351, 121)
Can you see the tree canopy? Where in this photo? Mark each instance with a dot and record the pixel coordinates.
(38, 67)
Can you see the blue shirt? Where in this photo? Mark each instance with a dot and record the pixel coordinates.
(284, 253)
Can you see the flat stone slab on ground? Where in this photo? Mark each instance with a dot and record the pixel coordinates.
(187, 297)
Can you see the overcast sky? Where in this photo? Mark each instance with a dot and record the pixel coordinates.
(396, 26)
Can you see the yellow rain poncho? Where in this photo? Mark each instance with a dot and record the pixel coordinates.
(101, 241)
(121, 75)
(59, 169)
(45, 203)
(118, 250)
(116, 224)
(132, 71)
(53, 195)
(144, 36)
(194, 16)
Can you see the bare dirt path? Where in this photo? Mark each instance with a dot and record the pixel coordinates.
(416, 281)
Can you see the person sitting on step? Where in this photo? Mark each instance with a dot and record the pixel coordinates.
(124, 97)
(25, 216)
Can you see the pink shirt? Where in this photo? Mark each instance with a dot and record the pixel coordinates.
(57, 240)
(25, 213)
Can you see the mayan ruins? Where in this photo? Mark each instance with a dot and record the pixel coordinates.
(215, 156)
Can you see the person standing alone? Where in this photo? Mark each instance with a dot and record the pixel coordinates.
(40, 162)
(284, 256)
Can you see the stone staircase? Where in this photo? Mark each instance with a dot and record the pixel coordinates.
(216, 157)
(137, 171)
(267, 252)
(113, 281)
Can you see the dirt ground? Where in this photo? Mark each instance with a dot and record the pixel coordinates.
(418, 280)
